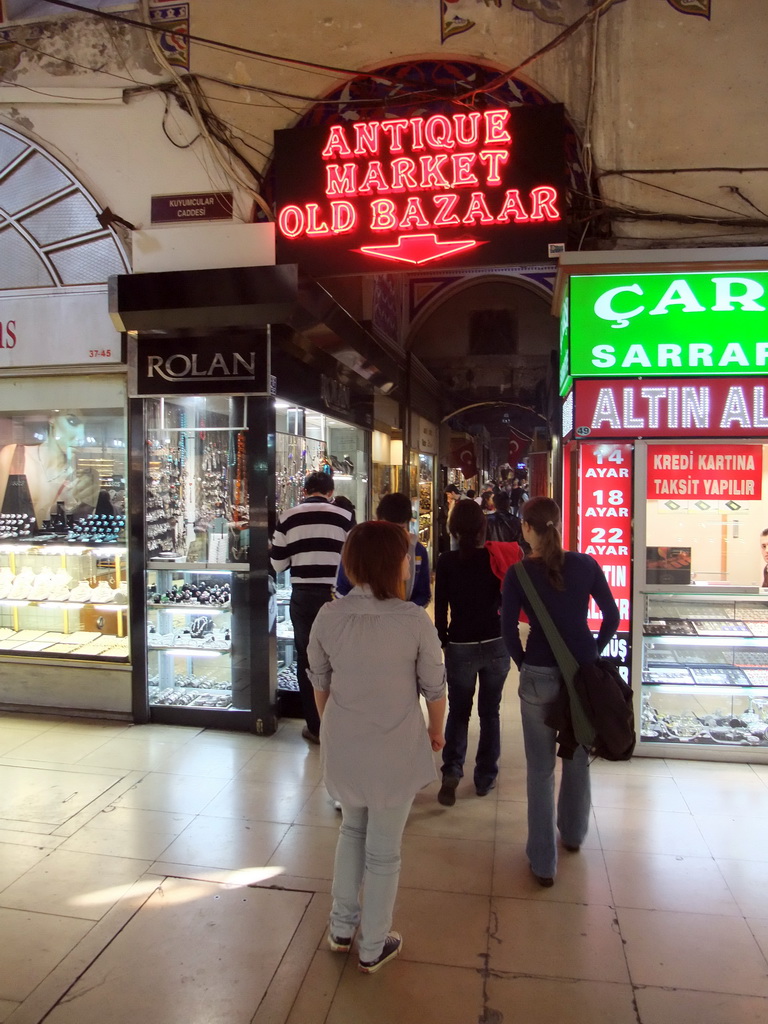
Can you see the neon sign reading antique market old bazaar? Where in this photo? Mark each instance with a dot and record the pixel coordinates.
(703, 323)
(407, 191)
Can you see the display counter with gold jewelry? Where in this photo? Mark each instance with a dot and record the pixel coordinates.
(704, 669)
(65, 598)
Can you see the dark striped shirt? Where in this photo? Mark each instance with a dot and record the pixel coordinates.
(308, 539)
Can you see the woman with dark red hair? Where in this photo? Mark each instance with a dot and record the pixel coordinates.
(372, 655)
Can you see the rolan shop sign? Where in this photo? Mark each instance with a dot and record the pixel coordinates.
(669, 325)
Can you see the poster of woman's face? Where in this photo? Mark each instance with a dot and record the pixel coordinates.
(67, 428)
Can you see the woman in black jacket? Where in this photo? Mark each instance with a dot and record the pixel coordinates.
(466, 585)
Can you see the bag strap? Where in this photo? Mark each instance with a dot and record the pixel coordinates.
(565, 660)
(582, 727)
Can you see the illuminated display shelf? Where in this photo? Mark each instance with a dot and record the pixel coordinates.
(173, 606)
(705, 690)
(185, 669)
(66, 605)
(79, 629)
(108, 550)
(191, 652)
(709, 691)
(733, 640)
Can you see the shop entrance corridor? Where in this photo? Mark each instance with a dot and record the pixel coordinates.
(170, 875)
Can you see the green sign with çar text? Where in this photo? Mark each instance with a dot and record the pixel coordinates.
(668, 325)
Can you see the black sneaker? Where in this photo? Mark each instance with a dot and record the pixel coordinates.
(339, 945)
(447, 794)
(484, 788)
(392, 946)
(544, 882)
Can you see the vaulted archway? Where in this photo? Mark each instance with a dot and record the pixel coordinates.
(50, 232)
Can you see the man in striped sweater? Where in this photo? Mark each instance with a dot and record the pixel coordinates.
(308, 540)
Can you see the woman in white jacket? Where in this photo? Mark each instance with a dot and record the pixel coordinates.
(371, 655)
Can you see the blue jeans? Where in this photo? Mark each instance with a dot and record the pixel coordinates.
(464, 664)
(539, 688)
(367, 856)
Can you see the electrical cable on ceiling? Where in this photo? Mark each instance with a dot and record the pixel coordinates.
(678, 170)
(587, 137)
(191, 95)
(140, 87)
(734, 190)
(682, 195)
(634, 213)
(594, 12)
(203, 40)
(214, 129)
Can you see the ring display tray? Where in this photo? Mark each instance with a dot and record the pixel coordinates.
(668, 676)
(715, 675)
(720, 627)
(668, 627)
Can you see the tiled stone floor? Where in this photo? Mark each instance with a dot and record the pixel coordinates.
(174, 876)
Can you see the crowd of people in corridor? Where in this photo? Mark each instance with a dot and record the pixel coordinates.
(365, 660)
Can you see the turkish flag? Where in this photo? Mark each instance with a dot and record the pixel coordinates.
(464, 458)
(519, 444)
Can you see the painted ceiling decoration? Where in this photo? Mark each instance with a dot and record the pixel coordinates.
(174, 39)
(456, 15)
(30, 10)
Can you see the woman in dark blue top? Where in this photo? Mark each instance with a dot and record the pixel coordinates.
(565, 582)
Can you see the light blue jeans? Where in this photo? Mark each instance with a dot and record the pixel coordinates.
(539, 689)
(367, 857)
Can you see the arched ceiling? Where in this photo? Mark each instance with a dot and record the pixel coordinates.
(50, 234)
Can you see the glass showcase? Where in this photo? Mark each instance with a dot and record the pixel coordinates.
(705, 669)
(705, 617)
(426, 502)
(197, 537)
(63, 572)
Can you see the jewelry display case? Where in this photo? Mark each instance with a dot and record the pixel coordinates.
(63, 554)
(189, 636)
(308, 442)
(288, 694)
(197, 551)
(426, 489)
(705, 669)
(64, 600)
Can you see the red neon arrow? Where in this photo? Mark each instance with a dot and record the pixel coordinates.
(418, 249)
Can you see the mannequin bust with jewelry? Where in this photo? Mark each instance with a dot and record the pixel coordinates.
(52, 476)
